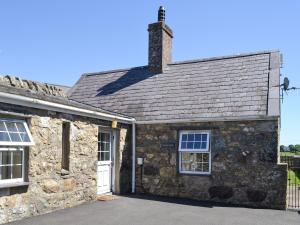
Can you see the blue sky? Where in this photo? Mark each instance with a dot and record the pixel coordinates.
(56, 41)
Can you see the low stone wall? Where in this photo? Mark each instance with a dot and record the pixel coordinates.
(244, 166)
(50, 188)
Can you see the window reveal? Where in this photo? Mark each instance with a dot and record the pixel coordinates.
(66, 146)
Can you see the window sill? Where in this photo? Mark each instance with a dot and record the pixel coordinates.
(17, 184)
(195, 174)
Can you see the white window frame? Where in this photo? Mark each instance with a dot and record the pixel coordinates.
(15, 180)
(14, 143)
(206, 150)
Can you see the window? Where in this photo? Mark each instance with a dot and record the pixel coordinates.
(194, 152)
(104, 146)
(11, 165)
(14, 136)
(14, 133)
(65, 146)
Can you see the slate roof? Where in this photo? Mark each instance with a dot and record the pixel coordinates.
(54, 99)
(222, 87)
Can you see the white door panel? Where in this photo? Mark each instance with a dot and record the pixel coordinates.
(104, 166)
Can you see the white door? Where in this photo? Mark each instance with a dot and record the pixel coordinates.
(104, 167)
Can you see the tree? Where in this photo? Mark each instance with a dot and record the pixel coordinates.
(292, 148)
(282, 148)
(297, 148)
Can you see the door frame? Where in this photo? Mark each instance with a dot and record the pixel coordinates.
(113, 135)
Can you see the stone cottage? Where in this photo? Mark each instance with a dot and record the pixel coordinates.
(205, 129)
(53, 150)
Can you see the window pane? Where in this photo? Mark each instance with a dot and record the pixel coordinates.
(16, 172)
(21, 127)
(107, 147)
(190, 137)
(205, 167)
(11, 127)
(197, 137)
(5, 172)
(5, 157)
(104, 137)
(104, 156)
(203, 145)
(101, 156)
(184, 137)
(199, 157)
(15, 137)
(185, 156)
(101, 137)
(205, 157)
(193, 157)
(186, 166)
(197, 145)
(198, 167)
(4, 136)
(204, 137)
(2, 127)
(190, 145)
(102, 147)
(17, 157)
(183, 145)
(25, 137)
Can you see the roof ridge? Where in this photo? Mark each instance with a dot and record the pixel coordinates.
(223, 57)
(184, 62)
(37, 86)
(33, 91)
(114, 71)
(57, 85)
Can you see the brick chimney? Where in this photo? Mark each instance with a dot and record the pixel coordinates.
(160, 44)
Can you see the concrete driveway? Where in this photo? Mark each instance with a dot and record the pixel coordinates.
(161, 211)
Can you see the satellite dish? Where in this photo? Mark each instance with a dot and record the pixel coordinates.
(285, 87)
(286, 83)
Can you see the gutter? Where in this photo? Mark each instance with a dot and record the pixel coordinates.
(41, 104)
(205, 119)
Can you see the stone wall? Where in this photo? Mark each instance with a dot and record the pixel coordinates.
(51, 188)
(244, 167)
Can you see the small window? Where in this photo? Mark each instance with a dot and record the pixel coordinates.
(14, 133)
(194, 152)
(11, 165)
(66, 146)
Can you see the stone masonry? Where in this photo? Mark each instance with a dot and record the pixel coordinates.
(51, 188)
(244, 170)
(160, 46)
(34, 86)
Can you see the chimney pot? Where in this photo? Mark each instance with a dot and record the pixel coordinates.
(161, 14)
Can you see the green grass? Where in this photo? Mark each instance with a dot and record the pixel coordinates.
(289, 153)
(294, 177)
